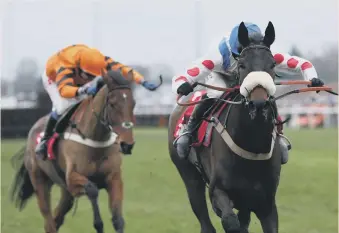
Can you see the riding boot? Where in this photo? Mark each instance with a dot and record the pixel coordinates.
(63, 124)
(41, 148)
(183, 144)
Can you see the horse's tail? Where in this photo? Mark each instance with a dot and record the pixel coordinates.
(22, 188)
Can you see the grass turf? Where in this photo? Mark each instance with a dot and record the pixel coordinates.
(155, 198)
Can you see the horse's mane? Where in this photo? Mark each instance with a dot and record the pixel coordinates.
(117, 77)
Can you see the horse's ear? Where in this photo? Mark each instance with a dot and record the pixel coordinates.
(269, 34)
(103, 75)
(243, 35)
(106, 78)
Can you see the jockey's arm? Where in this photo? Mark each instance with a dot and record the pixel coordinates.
(65, 82)
(288, 64)
(126, 71)
(198, 71)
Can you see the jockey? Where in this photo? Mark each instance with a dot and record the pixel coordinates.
(221, 61)
(70, 76)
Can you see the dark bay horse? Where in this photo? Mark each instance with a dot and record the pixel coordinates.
(87, 157)
(242, 164)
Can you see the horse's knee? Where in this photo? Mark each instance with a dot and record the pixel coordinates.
(91, 190)
(216, 209)
(230, 222)
(221, 203)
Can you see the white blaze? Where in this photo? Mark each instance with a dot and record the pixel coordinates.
(255, 79)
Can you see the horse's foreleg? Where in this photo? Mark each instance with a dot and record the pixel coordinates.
(195, 187)
(115, 196)
(269, 219)
(42, 187)
(64, 206)
(79, 184)
(244, 217)
(223, 207)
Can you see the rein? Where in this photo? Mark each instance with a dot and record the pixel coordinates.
(293, 82)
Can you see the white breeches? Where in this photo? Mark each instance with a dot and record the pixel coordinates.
(60, 104)
(215, 79)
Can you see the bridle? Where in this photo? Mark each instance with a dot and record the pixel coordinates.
(252, 105)
(103, 116)
(256, 47)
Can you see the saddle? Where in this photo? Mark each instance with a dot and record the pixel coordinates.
(204, 132)
(62, 124)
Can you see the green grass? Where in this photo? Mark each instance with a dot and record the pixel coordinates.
(155, 198)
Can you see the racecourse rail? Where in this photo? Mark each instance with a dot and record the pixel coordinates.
(17, 122)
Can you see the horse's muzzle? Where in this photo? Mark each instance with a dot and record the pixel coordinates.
(258, 104)
(126, 148)
(255, 106)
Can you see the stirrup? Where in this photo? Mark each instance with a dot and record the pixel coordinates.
(289, 145)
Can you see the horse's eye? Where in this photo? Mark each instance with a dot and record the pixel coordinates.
(241, 66)
(273, 65)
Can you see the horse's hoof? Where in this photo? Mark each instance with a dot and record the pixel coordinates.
(231, 223)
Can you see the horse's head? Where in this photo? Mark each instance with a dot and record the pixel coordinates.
(256, 70)
(119, 109)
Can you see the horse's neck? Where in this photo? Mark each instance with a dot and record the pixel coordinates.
(89, 124)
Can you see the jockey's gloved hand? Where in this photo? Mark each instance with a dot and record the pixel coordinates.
(89, 90)
(149, 86)
(316, 82)
(185, 89)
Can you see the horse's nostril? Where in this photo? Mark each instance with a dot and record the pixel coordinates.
(259, 104)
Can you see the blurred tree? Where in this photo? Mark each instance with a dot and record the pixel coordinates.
(295, 51)
(164, 70)
(43, 99)
(327, 64)
(4, 87)
(25, 76)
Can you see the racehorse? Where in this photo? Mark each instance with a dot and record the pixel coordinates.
(237, 152)
(84, 159)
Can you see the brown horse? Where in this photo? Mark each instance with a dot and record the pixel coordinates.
(87, 156)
